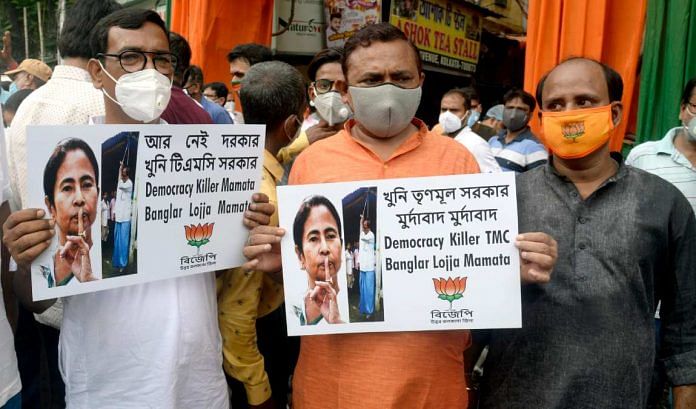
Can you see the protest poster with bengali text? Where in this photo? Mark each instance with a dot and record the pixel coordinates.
(138, 203)
(420, 254)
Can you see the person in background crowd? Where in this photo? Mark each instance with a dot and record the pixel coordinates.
(254, 330)
(241, 58)
(29, 74)
(672, 158)
(104, 213)
(193, 80)
(384, 76)
(626, 240)
(326, 78)
(492, 124)
(216, 92)
(162, 347)
(9, 108)
(181, 108)
(67, 98)
(7, 62)
(454, 113)
(476, 107)
(516, 148)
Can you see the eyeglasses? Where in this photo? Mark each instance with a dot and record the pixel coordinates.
(691, 108)
(323, 86)
(134, 61)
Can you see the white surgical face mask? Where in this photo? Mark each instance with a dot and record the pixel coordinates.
(450, 122)
(331, 108)
(143, 95)
(690, 128)
(385, 110)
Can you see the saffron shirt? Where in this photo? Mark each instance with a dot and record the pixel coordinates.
(382, 370)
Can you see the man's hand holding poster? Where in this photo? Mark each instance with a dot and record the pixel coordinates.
(401, 255)
(133, 204)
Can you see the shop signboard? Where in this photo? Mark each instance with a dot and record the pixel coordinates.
(447, 33)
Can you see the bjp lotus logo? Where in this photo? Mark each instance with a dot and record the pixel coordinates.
(573, 130)
(450, 289)
(199, 235)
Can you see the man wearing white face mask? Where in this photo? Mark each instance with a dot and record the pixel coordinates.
(154, 344)
(325, 74)
(455, 109)
(673, 158)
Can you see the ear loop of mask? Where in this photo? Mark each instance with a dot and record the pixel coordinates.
(112, 79)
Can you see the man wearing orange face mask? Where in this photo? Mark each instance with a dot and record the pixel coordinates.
(626, 240)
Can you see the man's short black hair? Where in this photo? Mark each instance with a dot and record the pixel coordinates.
(380, 32)
(525, 96)
(15, 100)
(613, 78)
(462, 93)
(220, 89)
(58, 157)
(74, 39)
(129, 19)
(324, 56)
(181, 49)
(252, 53)
(303, 214)
(472, 93)
(194, 74)
(271, 91)
(688, 90)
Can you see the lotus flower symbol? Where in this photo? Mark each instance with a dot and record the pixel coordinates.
(199, 235)
(450, 289)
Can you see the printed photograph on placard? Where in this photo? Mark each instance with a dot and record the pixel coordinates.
(363, 269)
(71, 197)
(319, 248)
(119, 205)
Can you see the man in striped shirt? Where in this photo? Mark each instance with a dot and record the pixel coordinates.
(673, 157)
(516, 148)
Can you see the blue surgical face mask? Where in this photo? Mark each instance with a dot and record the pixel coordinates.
(13, 87)
(473, 118)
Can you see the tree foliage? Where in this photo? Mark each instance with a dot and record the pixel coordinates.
(12, 19)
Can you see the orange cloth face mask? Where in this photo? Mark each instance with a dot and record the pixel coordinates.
(576, 134)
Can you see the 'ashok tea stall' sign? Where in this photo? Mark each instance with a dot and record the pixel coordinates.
(447, 34)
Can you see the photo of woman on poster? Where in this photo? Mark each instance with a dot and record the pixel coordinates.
(71, 191)
(318, 245)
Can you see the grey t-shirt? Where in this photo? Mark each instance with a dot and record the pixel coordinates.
(587, 338)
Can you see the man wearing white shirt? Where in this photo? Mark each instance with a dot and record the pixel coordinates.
(124, 195)
(153, 345)
(455, 108)
(10, 384)
(367, 268)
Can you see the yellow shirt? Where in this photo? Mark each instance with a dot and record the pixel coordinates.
(290, 152)
(242, 297)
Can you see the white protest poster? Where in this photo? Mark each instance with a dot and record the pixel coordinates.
(433, 253)
(139, 203)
